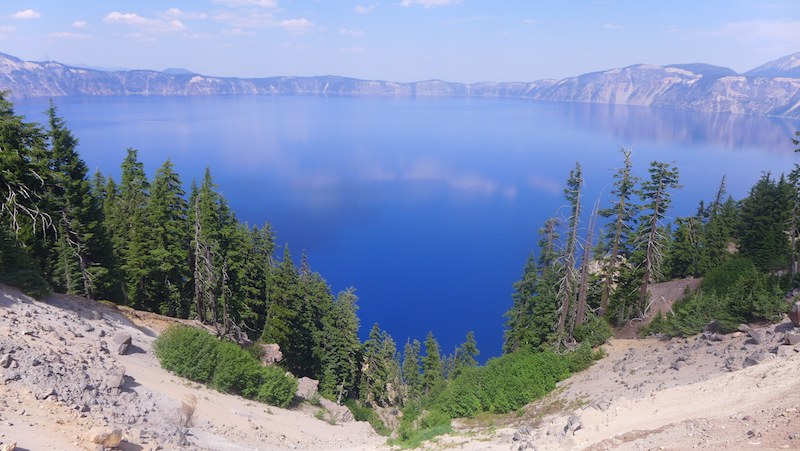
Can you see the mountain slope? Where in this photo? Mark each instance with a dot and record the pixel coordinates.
(770, 89)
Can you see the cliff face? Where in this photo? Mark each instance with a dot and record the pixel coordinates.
(770, 89)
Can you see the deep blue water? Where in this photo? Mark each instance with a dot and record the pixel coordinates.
(429, 207)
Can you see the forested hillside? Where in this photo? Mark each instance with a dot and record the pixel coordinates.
(148, 244)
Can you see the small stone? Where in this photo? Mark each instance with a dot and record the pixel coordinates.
(106, 437)
(5, 361)
(791, 338)
(8, 446)
(757, 336)
(121, 341)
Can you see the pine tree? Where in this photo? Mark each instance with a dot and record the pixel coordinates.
(656, 198)
(573, 194)
(763, 220)
(412, 377)
(131, 234)
(465, 355)
(83, 253)
(432, 369)
(167, 219)
(341, 348)
(623, 212)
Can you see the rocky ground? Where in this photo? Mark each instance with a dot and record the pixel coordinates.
(81, 375)
(70, 379)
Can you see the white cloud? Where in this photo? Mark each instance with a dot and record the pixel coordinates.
(238, 32)
(26, 14)
(79, 24)
(296, 26)
(144, 24)
(240, 3)
(364, 9)
(71, 36)
(175, 13)
(252, 20)
(351, 50)
(611, 26)
(429, 3)
(348, 32)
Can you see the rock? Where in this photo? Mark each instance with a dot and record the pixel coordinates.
(756, 358)
(678, 364)
(106, 437)
(712, 337)
(794, 314)
(5, 361)
(732, 364)
(785, 350)
(120, 342)
(272, 354)
(712, 327)
(743, 328)
(307, 388)
(114, 378)
(8, 446)
(791, 338)
(340, 413)
(757, 336)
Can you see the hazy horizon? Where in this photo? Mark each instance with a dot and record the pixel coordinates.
(403, 40)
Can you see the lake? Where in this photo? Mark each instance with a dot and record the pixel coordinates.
(429, 207)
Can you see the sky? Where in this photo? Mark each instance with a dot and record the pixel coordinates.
(399, 40)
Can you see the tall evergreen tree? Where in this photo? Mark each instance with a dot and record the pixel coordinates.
(656, 198)
(573, 194)
(412, 377)
(131, 234)
(623, 213)
(82, 261)
(167, 219)
(341, 348)
(762, 224)
(465, 355)
(432, 369)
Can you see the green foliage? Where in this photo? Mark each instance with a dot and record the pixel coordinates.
(733, 293)
(506, 383)
(197, 355)
(18, 269)
(364, 413)
(762, 224)
(594, 332)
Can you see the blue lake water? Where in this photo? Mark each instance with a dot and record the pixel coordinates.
(429, 207)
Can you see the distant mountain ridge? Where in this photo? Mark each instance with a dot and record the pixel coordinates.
(770, 89)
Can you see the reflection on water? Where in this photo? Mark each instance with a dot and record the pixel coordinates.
(641, 124)
(428, 206)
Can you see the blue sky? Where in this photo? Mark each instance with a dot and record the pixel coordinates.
(402, 40)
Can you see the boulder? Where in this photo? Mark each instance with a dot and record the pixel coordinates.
(8, 446)
(794, 314)
(106, 437)
(756, 358)
(340, 413)
(757, 336)
(115, 378)
(791, 338)
(120, 342)
(271, 354)
(307, 388)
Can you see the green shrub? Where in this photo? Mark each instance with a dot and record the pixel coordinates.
(595, 331)
(509, 382)
(433, 419)
(276, 388)
(364, 413)
(197, 355)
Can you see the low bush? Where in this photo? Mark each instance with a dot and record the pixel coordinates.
(197, 355)
(363, 413)
(733, 293)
